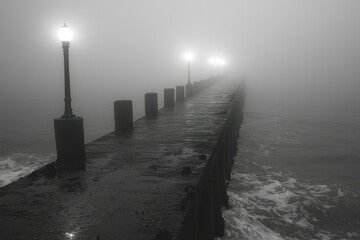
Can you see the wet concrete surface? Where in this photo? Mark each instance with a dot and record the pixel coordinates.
(135, 185)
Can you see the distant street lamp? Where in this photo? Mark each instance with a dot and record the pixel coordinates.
(69, 129)
(189, 57)
(221, 65)
(65, 35)
(212, 62)
(189, 87)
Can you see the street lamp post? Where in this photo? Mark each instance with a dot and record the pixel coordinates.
(189, 72)
(217, 61)
(65, 37)
(221, 66)
(189, 87)
(188, 58)
(69, 129)
(212, 61)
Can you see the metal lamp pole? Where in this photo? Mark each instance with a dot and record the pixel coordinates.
(188, 72)
(68, 110)
(212, 70)
(69, 129)
(189, 86)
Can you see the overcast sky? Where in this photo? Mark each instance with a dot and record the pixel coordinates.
(121, 49)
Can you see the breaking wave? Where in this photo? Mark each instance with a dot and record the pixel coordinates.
(268, 204)
(17, 165)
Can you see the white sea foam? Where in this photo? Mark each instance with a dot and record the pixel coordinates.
(17, 165)
(353, 234)
(248, 225)
(340, 193)
(271, 198)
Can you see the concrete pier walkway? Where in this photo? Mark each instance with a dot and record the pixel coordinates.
(136, 186)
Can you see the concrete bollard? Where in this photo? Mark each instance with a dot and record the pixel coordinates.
(123, 113)
(70, 144)
(169, 96)
(180, 96)
(151, 105)
(196, 87)
(189, 90)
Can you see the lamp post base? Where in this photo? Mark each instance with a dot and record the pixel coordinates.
(70, 144)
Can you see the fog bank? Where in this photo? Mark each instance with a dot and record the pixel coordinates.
(300, 51)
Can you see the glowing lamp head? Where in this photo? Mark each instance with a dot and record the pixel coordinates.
(189, 57)
(65, 33)
(219, 62)
(212, 61)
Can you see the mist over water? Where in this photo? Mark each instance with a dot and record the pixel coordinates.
(296, 175)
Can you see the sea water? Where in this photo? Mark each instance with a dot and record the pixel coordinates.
(297, 174)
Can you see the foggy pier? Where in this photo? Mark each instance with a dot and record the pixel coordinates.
(163, 178)
(111, 128)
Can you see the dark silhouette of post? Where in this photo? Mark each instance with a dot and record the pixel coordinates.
(151, 105)
(169, 97)
(180, 93)
(69, 129)
(123, 114)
